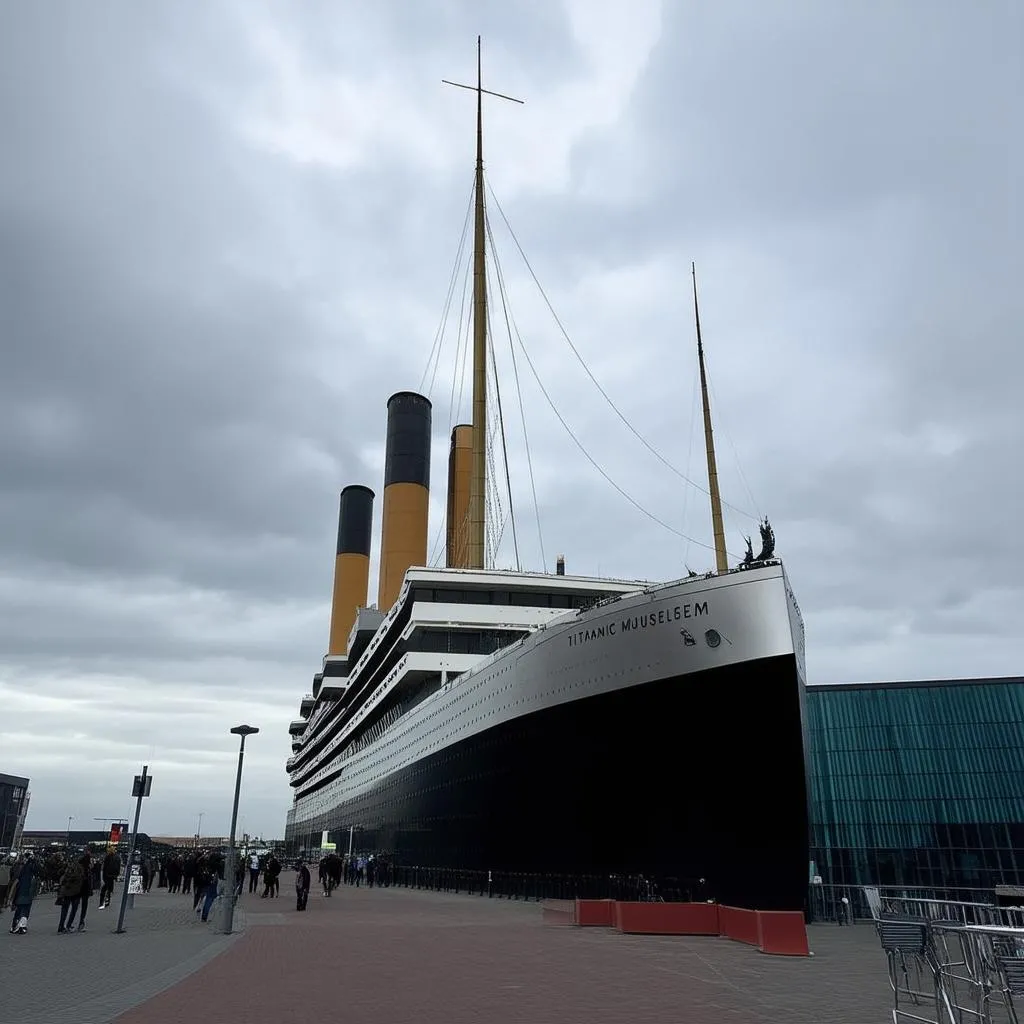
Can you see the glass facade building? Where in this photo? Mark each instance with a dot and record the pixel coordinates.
(13, 807)
(918, 784)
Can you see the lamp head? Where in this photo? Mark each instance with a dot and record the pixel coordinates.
(244, 730)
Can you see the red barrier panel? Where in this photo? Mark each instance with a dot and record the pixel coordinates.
(589, 913)
(741, 925)
(782, 932)
(667, 918)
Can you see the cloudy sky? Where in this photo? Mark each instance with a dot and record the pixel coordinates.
(226, 235)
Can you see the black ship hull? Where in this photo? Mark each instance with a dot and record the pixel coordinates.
(699, 776)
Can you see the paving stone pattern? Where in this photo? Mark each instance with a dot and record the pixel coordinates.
(92, 976)
(393, 956)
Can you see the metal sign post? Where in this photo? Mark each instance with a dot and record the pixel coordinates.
(140, 789)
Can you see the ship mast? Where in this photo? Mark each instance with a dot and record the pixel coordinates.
(475, 546)
(478, 478)
(721, 556)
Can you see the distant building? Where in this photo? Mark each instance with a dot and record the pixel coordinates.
(14, 799)
(918, 784)
(192, 842)
(78, 839)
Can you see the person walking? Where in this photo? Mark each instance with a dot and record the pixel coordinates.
(80, 902)
(25, 890)
(254, 871)
(111, 872)
(271, 871)
(74, 881)
(215, 873)
(302, 884)
(844, 911)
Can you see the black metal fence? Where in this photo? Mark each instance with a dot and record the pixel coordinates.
(824, 902)
(525, 886)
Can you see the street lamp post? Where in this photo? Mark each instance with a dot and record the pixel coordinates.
(229, 868)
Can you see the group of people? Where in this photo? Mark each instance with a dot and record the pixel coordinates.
(268, 868)
(353, 870)
(202, 872)
(75, 876)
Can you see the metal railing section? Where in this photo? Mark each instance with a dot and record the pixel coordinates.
(958, 961)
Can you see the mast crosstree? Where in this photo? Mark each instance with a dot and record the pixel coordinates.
(474, 547)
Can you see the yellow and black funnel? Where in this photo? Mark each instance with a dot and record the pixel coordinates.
(460, 475)
(406, 492)
(352, 563)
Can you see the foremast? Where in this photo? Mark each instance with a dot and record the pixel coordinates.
(721, 555)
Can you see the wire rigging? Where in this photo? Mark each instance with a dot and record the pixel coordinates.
(461, 350)
(565, 334)
(724, 428)
(435, 349)
(586, 454)
(493, 497)
(579, 444)
(501, 425)
(438, 548)
(509, 322)
(689, 462)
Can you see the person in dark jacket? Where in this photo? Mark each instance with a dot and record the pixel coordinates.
(302, 884)
(174, 871)
(188, 872)
(111, 871)
(214, 874)
(24, 891)
(80, 902)
(272, 886)
(68, 889)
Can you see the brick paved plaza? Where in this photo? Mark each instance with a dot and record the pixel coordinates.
(90, 977)
(394, 956)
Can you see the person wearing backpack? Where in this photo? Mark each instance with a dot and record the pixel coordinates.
(70, 889)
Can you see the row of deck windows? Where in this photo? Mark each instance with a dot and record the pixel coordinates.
(515, 598)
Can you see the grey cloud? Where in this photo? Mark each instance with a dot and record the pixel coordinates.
(199, 334)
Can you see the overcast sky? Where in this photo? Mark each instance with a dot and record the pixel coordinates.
(226, 235)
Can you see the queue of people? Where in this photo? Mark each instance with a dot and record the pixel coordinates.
(76, 876)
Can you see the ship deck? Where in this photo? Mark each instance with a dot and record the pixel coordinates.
(386, 955)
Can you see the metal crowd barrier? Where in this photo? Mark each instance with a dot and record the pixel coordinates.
(961, 962)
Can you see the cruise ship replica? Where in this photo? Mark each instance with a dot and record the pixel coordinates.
(544, 722)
